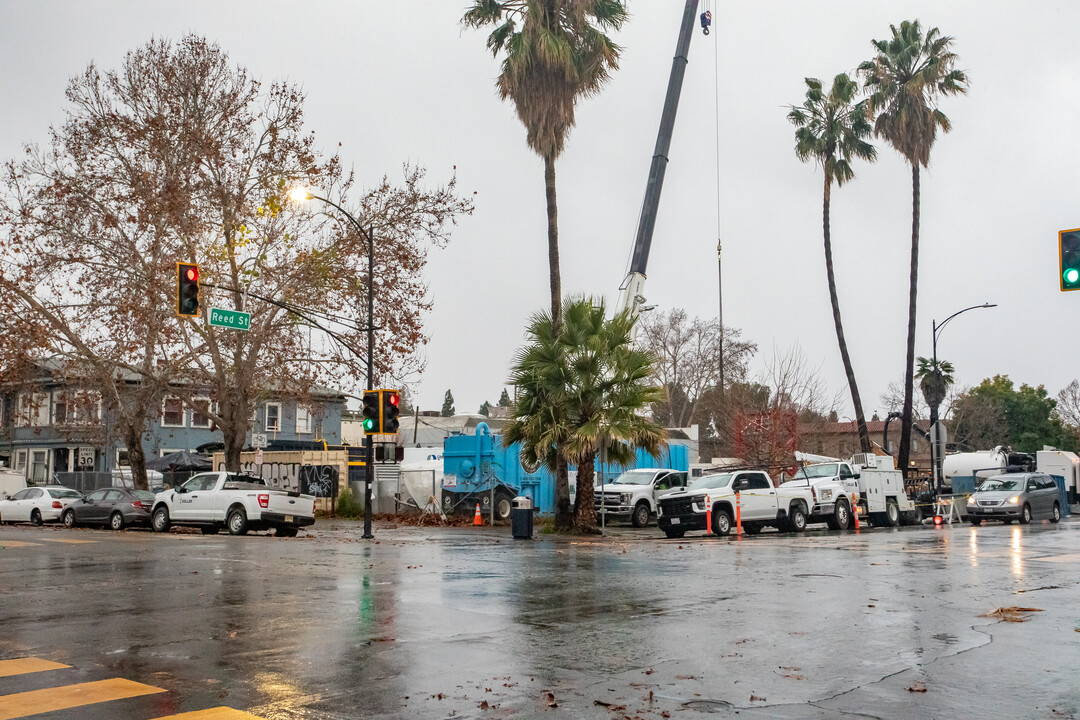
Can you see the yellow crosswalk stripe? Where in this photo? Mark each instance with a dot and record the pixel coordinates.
(21, 666)
(23, 704)
(69, 541)
(15, 543)
(218, 713)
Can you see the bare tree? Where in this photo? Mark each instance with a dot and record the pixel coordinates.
(1068, 406)
(688, 352)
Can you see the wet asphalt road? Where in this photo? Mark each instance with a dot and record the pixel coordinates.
(467, 623)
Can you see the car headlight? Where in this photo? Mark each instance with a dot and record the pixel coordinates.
(625, 498)
(971, 500)
(1014, 499)
(826, 494)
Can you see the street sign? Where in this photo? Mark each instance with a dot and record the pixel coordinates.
(86, 456)
(230, 319)
(258, 456)
(258, 440)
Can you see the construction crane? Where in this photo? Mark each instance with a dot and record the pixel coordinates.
(631, 291)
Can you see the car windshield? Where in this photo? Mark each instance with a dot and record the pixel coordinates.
(142, 494)
(817, 471)
(1001, 484)
(633, 478)
(709, 482)
(64, 492)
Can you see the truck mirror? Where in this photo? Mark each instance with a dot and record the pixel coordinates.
(857, 475)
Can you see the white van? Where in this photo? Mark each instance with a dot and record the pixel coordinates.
(11, 482)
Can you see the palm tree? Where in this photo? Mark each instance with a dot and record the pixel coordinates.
(934, 378)
(555, 52)
(905, 79)
(583, 388)
(832, 131)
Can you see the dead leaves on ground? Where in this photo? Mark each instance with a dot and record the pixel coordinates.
(1011, 614)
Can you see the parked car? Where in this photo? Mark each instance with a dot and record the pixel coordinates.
(11, 482)
(38, 504)
(1015, 496)
(634, 493)
(238, 502)
(759, 501)
(115, 507)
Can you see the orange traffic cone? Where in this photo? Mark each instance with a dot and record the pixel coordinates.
(477, 520)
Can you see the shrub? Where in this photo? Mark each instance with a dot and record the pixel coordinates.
(347, 505)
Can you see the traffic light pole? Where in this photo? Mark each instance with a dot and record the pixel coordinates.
(369, 465)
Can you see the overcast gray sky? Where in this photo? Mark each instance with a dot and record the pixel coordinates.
(395, 82)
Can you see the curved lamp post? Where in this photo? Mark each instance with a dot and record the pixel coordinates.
(935, 454)
(302, 194)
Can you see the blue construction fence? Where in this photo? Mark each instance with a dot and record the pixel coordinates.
(479, 460)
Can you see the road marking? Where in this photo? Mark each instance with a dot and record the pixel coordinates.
(21, 666)
(15, 543)
(34, 702)
(70, 542)
(218, 713)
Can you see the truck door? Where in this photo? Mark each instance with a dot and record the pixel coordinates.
(758, 498)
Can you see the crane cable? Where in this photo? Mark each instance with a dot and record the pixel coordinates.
(719, 244)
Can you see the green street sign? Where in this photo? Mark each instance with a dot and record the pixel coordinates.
(230, 319)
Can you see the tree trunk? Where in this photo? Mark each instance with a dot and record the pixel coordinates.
(136, 456)
(553, 243)
(909, 366)
(234, 430)
(564, 517)
(585, 502)
(856, 400)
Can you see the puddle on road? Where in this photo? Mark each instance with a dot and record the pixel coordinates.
(707, 705)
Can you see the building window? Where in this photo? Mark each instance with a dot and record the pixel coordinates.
(20, 461)
(33, 410)
(39, 466)
(303, 421)
(914, 445)
(890, 446)
(76, 407)
(122, 457)
(172, 412)
(273, 417)
(164, 451)
(200, 409)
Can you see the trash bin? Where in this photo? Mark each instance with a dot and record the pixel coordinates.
(521, 518)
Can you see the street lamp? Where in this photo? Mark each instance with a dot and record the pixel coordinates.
(301, 194)
(935, 451)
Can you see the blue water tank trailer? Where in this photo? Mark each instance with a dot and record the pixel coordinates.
(477, 469)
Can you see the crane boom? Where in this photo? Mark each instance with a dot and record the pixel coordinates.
(630, 297)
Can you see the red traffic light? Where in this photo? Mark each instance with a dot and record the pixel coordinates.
(192, 274)
(392, 398)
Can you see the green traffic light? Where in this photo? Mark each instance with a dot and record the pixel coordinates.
(1072, 275)
(369, 424)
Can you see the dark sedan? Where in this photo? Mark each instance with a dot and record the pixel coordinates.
(115, 507)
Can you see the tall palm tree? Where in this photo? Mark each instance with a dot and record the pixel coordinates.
(832, 131)
(584, 387)
(934, 380)
(908, 75)
(555, 52)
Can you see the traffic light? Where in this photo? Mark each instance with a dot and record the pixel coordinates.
(1069, 255)
(187, 289)
(371, 412)
(390, 411)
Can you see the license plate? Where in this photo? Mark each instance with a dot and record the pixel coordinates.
(675, 521)
(288, 518)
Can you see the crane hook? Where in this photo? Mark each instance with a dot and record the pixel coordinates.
(706, 21)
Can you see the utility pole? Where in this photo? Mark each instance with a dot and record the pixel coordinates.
(369, 465)
(720, 296)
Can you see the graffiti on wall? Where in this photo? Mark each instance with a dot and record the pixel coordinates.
(316, 480)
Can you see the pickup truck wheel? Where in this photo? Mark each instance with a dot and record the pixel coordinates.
(796, 518)
(640, 518)
(673, 533)
(892, 513)
(116, 521)
(238, 523)
(841, 517)
(160, 520)
(721, 521)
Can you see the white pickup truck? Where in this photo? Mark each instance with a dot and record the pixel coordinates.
(238, 502)
(878, 489)
(832, 486)
(760, 502)
(634, 493)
